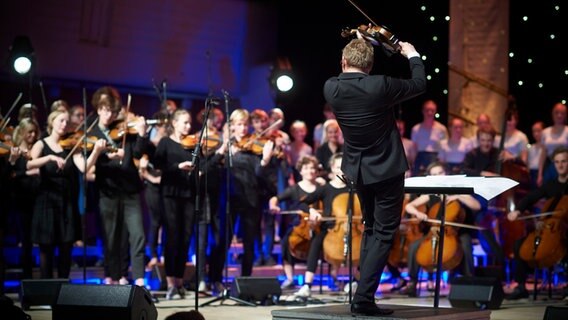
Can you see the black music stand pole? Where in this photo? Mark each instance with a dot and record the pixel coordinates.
(444, 191)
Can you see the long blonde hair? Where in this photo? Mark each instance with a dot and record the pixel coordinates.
(23, 127)
(54, 114)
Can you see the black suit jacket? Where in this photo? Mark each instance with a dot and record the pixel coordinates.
(363, 105)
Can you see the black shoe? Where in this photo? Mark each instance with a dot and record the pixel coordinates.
(400, 283)
(218, 289)
(369, 309)
(258, 262)
(269, 261)
(518, 293)
(410, 290)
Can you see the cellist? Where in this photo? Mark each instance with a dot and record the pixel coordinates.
(468, 201)
(555, 188)
(307, 167)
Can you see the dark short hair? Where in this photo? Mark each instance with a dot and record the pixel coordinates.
(559, 150)
(489, 130)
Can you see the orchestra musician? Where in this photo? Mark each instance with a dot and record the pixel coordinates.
(54, 221)
(553, 189)
(427, 136)
(243, 199)
(119, 186)
(177, 188)
(413, 208)
(293, 195)
(374, 157)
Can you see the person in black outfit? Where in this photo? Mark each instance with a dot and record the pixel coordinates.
(293, 195)
(25, 184)
(373, 155)
(481, 161)
(554, 190)
(56, 206)
(119, 186)
(243, 197)
(177, 189)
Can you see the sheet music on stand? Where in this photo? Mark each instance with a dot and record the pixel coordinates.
(487, 187)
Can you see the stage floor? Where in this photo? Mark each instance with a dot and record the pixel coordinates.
(524, 309)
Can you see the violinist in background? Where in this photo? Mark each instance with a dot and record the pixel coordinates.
(554, 189)
(408, 145)
(536, 152)
(119, 188)
(177, 188)
(552, 137)
(54, 221)
(468, 201)
(25, 183)
(516, 142)
(244, 196)
(298, 148)
(427, 136)
(76, 118)
(293, 195)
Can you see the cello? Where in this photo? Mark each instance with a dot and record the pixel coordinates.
(408, 232)
(427, 254)
(300, 237)
(546, 246)
(335, 243)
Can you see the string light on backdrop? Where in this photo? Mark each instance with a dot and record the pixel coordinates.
(22, 55)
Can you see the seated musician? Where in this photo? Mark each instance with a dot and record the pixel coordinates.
(326, 194)
(469, 202)
(307, 167)
(552, 189)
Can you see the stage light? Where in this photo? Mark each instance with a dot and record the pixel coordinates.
(21, 55)
(281, 77)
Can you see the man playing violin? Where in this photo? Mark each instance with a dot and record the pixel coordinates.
(554, 189)
(373, 155)
(119, 188)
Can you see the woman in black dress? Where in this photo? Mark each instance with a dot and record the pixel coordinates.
(55, 209)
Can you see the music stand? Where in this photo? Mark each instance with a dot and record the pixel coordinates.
(487, 187)
(443, 191)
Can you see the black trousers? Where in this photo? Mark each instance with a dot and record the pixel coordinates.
(381, 204)
(122, 213)
(156, 209)
(179, 217)
(209, 224)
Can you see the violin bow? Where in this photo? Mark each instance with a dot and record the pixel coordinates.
(270, 127)
(126, 112)
(362, 12)
(5, 118)
(81, 139)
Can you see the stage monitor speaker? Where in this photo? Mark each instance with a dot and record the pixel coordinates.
(265, 290)
(476, 292)
(39, 292)
(89, 302)
(555, 313)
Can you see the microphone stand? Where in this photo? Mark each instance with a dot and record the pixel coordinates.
(349, 243)
(228, 223)
(85, 186)
(196, 164)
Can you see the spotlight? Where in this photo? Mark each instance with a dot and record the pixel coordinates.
(21, 54)
(281, 78)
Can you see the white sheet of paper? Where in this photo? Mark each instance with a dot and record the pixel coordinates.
(487, 187)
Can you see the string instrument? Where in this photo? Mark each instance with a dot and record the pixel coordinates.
(376, 35)
(70, 143)
(210, 142)
(408, 232)
(254, 142)
(300, 237)
(509, 231)
(335, 243)
(119, 127)
(5, 148)
(427, 254)
(547, 246)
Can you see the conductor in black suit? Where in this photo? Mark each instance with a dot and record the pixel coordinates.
(373, 156)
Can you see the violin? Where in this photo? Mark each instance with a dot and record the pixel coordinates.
(68, 144)
(427, 254)
(252, 143)
(5, 148)
(335, 243)
(120, 127)
(376, 35)
(210, 142)
(547, 246)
